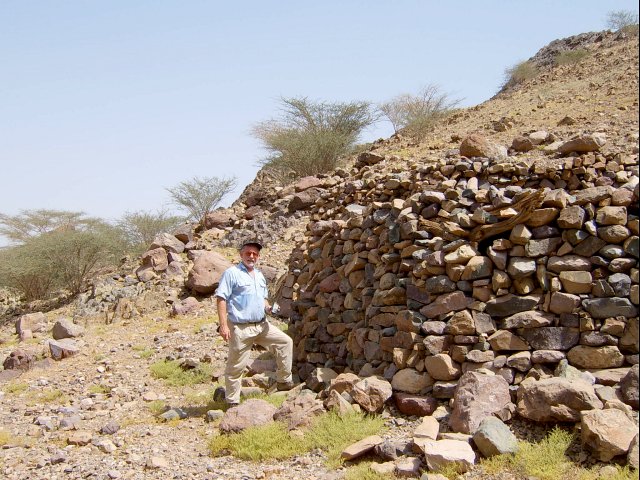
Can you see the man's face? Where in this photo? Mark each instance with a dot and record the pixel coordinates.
(249, 255)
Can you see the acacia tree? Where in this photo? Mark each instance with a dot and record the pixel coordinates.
(140, 228)
(624, 20)
(61, 259)
(415, 115)
(31, 223)
(310, 137)
(200, 196)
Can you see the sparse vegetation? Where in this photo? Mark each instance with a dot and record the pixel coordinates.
(157, 407)
(623, 20)
(15, 387)
(328, 432)
(62, 259)
(363, 471)
(416, 115)
(49, 395)
(140, 228)
(520, 73)
(173, 374)
(569, 57)
(199, 196)
(100, 389)
(310, 137)
(5, 437)
(547, 460)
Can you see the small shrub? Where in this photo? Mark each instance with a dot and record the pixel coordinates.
(546, 460)
(157, 407)
(569, 57)
(328, 432)
(50, 395)
(416, 115)
(140, 228)
(173, 374)
(332, 433)
(5, 437)
(624, 21)
(15, 387)
(100, 389)
(362, 471)
(520, 73)
(267, 442)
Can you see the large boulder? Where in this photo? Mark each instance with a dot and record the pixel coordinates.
(251, 413)
(168, 242)
(19, 360)
(304, 199)
(371, 393)
(477, 397)
(556, 399)
(35, 322)
(493, 437)
(207, 270)
(299, 411)
(478, 146)
(65, 328)
(629, 387)
(607, 433)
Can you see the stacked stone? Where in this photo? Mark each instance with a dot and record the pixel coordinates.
(375, 289)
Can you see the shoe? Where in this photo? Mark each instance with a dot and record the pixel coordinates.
(232, 404)
(284, 386)
(219, 394)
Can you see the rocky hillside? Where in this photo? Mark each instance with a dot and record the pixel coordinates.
(474, 287)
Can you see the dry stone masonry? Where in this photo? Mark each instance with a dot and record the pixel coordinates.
(423, 271)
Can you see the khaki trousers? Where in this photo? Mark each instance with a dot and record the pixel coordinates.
(243, 336)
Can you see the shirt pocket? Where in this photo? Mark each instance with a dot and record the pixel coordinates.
(245, 288)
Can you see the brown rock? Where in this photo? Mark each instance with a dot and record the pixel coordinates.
(207, 270)
(251, 413)
(477, 397)
(555, 399)
(607, 433)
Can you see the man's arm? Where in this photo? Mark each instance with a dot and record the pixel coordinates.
(225, 328)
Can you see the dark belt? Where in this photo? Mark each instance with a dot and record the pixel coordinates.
(251, 323)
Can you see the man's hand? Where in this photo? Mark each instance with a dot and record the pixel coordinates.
(225, 333)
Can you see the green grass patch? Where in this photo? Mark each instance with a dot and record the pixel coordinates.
(328, 432)
(546, 460)
(157, 407)
(570, 57)
(143, 351)
(520, 73)
(362, 471)
(100, 389)
(15, 387)
(173, 374)
(275, 400)
(5, 437)
(268, 442)
(50, 395)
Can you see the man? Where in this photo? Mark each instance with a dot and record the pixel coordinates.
(241, 299)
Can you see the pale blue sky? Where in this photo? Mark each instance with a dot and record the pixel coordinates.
(104, 104)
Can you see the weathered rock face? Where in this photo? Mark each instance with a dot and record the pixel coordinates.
(450, 265)
(477, 397)
(250, 413)
(207, 270)
(607, 433)
(556, 399)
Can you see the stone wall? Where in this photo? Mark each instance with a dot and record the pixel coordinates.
(423, 270)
